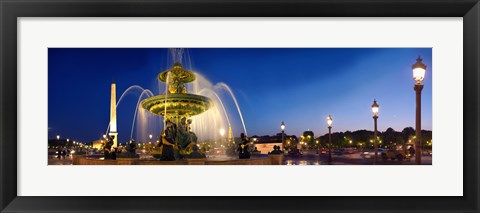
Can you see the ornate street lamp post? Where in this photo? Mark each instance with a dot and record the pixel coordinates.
(418, 75)
(375, 117)
(329, 122)
(282, 126)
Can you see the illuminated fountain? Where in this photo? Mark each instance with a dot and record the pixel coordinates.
(185, 95)
(177, 106)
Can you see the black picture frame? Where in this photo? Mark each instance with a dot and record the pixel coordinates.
(10, 10)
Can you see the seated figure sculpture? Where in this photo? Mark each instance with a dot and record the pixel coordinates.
(167, 146)
(168, 142)
(276, 150)
(193, 137)
(131, 150)
(243, 149)
(179, 140)
(107, 149)
(183, 136)
(132, 147)
(186, 139)
(196, 152)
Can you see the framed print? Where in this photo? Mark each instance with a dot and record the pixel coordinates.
(239, 106)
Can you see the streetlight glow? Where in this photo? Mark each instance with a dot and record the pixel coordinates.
(375, 108)
(419, 71)
(222, 132)
(329, 120)
(282, 126)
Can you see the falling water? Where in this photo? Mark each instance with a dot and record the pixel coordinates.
(205, 90)
(226, 87)
(166, 94)
(127, 90)
(149, 94)
(208, 124)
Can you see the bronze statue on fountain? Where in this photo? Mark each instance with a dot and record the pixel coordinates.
(243, 148)
(179, 141)
(108, 153)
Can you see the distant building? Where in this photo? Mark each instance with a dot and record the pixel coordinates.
(57, 143)
(265, 143)
(98, 144)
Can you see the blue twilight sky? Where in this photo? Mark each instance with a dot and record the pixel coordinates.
(299, 86)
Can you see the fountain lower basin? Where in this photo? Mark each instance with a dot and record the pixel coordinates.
(180, 104)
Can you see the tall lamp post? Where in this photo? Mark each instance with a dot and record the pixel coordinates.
(375, 117)
(282, 126)
(329, 122)
(418, 75)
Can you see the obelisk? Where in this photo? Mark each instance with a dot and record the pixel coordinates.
(113, 114)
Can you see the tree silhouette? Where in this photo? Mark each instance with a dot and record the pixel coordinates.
(407, 132)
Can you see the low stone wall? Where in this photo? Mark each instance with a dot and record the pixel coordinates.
(158, 162)
(277, 159)
(76, 159)
(251, 161)
(270, 160)
(125, 161)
